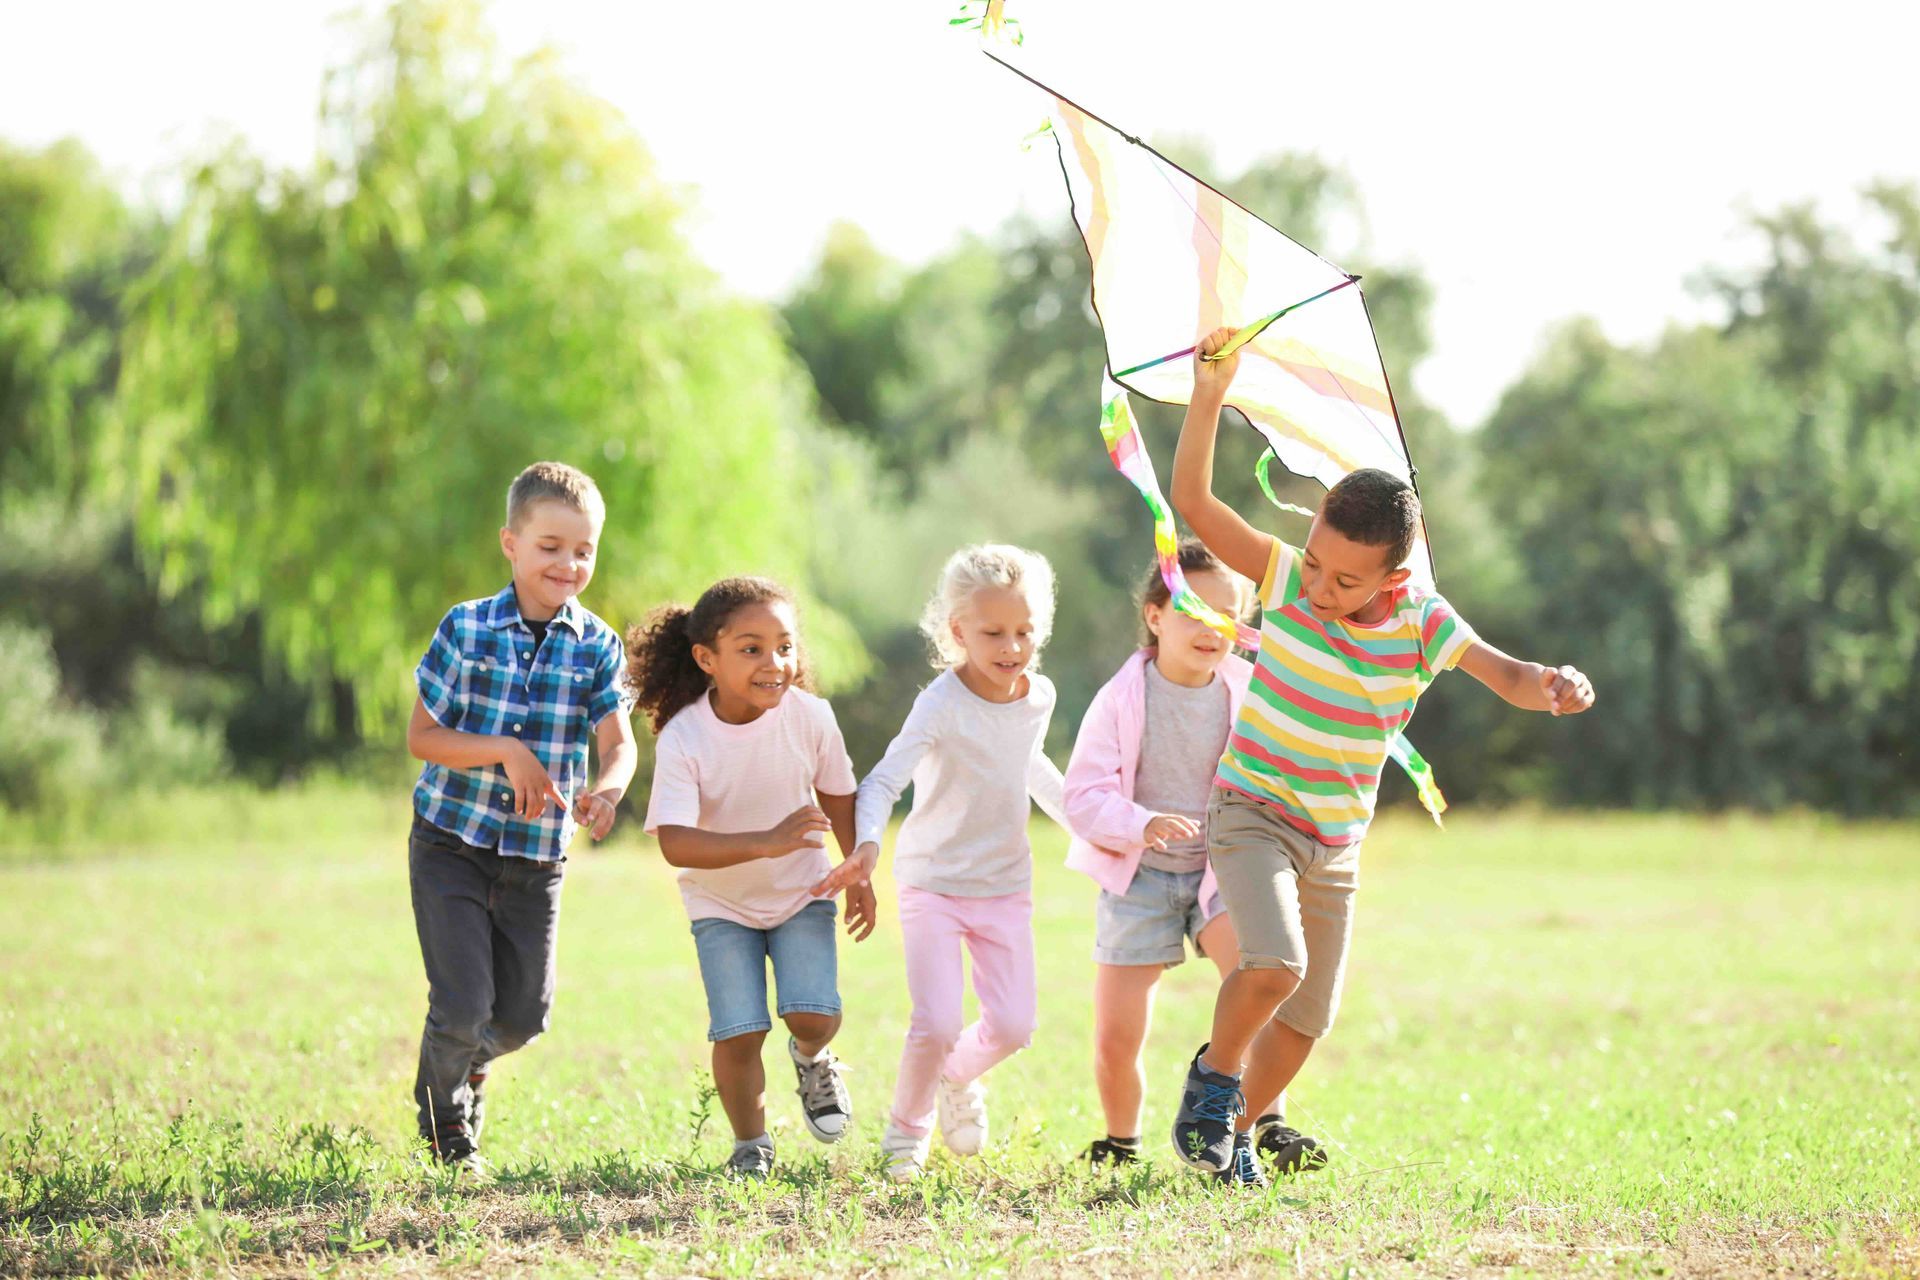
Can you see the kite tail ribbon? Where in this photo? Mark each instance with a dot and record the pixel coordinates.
(1128, 450)
(1129, 453)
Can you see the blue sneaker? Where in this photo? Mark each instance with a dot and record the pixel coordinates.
(1244, 1169)
(1203, 1127)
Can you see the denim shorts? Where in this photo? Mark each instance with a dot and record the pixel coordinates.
(733, 967)
(1150, 923)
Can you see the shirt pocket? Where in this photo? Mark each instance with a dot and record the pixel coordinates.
(489, 689)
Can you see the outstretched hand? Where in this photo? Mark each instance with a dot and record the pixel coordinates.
(1568, 692)
(804, 828)
(854, 870)
(863, 911)
(533, 787)
(1164, 828)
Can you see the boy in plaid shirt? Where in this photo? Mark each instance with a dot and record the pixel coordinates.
(509, 689)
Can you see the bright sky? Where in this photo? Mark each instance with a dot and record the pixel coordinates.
(1537, 161)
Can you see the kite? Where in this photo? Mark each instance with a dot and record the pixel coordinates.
(1173, 259)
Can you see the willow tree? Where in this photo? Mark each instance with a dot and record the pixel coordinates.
(332, 373)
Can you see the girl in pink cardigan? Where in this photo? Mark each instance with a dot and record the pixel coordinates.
(1136, 800)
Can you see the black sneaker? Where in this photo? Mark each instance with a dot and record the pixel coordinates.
(1104, 1151)
(824, 1100)
(1243, 1170)
(1203, 1127)
(476, 1100)
(1288, 1150)
(752, 1162)
(454, 1149)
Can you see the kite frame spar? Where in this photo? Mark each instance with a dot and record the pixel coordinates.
(1247, 332)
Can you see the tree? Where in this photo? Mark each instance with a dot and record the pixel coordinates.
(66, 246)
(333, 373)
(1723, 523)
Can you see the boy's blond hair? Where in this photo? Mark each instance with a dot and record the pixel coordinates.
(554, 482)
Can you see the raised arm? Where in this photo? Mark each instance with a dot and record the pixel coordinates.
(1242, 547)
(1560, 691)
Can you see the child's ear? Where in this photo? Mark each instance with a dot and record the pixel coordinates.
(705, 658)
(506, 541)
(1397, 578)
(953, 626)
(1151, 612)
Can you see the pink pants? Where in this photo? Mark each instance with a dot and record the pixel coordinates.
(998, 933)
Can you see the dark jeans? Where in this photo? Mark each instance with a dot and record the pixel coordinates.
(487, 928)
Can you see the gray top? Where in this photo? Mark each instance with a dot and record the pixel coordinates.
(1180, 745)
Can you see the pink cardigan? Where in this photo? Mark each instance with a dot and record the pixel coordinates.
(1107, 825)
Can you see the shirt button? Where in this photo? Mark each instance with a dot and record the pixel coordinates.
(518, 727)
(528, 656)
(506, 796)
(578, 676)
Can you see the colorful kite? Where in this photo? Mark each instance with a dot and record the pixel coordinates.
(1173, 259)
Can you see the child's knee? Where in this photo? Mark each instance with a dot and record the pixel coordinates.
(811, 1027)
(1014, 1031)
(1275, 982)
(940, 1031)
(1117, 1049)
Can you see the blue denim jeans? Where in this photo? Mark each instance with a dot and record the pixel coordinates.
(733, 967)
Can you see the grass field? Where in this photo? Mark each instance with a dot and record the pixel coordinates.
(1614, 1046)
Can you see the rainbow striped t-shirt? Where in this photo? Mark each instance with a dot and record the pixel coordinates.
(1327, 700)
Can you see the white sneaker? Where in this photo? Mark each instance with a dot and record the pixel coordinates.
(905, 1154)
(963, 1116)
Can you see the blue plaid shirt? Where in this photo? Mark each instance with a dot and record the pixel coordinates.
(483, 675)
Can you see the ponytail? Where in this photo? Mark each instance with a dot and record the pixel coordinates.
(660, 666)
(661, 671)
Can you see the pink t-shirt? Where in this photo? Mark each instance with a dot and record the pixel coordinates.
(726, 778)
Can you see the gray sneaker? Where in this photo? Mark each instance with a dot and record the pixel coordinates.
(824, 1100)
(1203, 1127)
(752, 1162)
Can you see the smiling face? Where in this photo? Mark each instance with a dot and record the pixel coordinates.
(1189, 650)
(1341, 578)
(753, 661)
(996, 632)
(552, 553)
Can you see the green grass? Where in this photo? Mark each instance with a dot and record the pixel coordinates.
(1621, 1046)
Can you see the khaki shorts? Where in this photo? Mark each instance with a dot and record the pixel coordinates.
(1291, 901)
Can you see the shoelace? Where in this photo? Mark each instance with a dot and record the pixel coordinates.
(1245, 1167)
(1221, 1102)
(821, 1086)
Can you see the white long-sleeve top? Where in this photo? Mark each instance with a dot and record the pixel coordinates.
(973, 764)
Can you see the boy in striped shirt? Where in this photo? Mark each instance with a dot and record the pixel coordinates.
(1346, 649)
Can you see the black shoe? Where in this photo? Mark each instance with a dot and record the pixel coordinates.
(476, 1100)
(1104, 1151)
(1288, 1150)
(1203, 1128)
(1243, 1170)
(454, 1149)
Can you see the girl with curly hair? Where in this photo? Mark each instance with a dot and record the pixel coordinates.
(750, 773)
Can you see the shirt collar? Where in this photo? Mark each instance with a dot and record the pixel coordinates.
(503, 611)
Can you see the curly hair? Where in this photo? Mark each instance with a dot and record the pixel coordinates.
(661, 670)
(1194, 557)
(1377, 509)
(989, 565)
